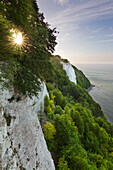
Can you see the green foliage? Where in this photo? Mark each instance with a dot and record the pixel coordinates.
(46, 101)
(59, 98)
(62, 164)
(81, 163)
(50, 112)
(84, 138)
(82, 80)
(49, 106)
(65, 126)
(79, 136)
(58, 110)
(77, 118)
(28, 63)
(71, 90)
(49, 131)
(41, 113)
(49, 86)
(51, 95)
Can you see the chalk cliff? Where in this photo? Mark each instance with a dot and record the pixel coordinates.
(69, 71)
(22, 143)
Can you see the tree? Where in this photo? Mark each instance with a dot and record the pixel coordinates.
(78, 122)
(50, 112)
(32, 58)
(81, 163)
(58, 110)
(59, 98)
(46, 101)
(49, 131)
(62, 164)
(66, 131)
(51, 95)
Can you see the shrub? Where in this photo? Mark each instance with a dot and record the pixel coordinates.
(49, 131)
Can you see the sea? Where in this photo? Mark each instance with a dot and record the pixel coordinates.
(101, 75)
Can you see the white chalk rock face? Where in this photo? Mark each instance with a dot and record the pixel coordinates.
(4, 96)
(36, 102)
(69, 71)
(7, 159)
(22, 143)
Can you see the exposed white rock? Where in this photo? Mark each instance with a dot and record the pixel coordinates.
(69, 71)
(7, 159)
(22, 144)
(4, 96)
(36, 102)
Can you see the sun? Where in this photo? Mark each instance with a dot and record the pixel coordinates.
(18, 39)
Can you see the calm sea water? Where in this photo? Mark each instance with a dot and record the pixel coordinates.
(101, 75)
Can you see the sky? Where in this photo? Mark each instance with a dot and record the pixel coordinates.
(85, 28)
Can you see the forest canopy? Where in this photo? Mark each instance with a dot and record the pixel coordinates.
(83, 138)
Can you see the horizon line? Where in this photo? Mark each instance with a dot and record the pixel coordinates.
(92, 63)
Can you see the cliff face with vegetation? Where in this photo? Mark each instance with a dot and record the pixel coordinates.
(22, 142)
(81, 137)
(26, 46)
(82, 80)
(76, 131)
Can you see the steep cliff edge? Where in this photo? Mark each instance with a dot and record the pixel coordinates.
(82, 80)
(72, 115)
(36, 102)
(69, 71)
(22, 143)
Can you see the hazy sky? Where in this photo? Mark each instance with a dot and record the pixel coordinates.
(85, 26)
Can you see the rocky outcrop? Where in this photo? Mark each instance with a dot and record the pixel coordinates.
(22, 143)
(69, 71)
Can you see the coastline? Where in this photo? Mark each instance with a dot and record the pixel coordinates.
(92, 85)
(102, 93)
(104, 99)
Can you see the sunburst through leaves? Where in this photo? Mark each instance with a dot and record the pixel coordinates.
(17, 39)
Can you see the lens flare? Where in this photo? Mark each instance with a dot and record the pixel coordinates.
(18, 39)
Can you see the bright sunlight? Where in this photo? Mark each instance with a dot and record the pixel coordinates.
(18, 39)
